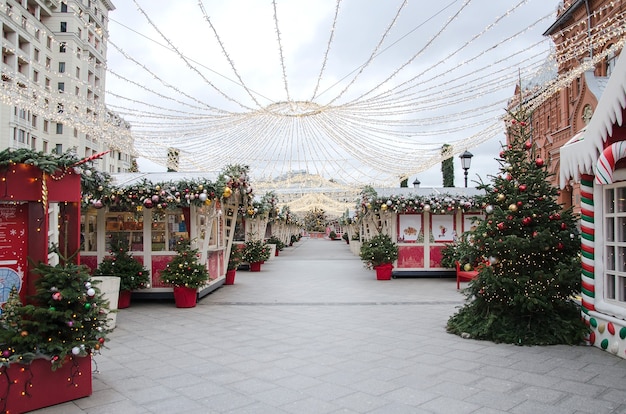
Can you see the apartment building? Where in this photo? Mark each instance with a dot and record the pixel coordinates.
(53, 80)
(585, 34)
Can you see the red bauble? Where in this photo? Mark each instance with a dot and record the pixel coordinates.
(528, 145)
(526, 221)
(535, 234)
(560, 246)
(501, 226)
(563, 226)
(519, 204)
(509, 177)
(539, 162)
(147, 203)
(522, 187)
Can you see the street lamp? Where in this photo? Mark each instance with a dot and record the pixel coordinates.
(416, 183)
(466, 161)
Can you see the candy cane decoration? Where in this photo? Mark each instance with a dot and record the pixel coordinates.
(587, 227)
(93, 157)
(606, 163)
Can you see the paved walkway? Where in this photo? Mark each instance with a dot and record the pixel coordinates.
(314, 332)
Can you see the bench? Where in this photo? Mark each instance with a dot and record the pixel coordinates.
(464, 276)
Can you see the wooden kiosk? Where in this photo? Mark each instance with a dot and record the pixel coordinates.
(422, 221)
(152, 210)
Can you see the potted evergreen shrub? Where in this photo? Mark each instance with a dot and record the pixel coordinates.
(133, 275)
(234, 260)
(185, 274)
(379, 253)
(46, 344)
(278, 242)
(255, 252)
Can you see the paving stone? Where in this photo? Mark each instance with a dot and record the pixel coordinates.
(317, 335)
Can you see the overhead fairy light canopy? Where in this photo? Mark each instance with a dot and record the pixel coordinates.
(355, 91)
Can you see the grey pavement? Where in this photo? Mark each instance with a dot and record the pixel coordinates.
(315, 332)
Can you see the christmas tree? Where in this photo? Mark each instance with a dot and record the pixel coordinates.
(133, 275)
(185, 268)
(529, 268)
(67, 317)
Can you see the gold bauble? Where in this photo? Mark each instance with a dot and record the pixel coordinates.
(500, 197)
(512, 207)
(227, 192)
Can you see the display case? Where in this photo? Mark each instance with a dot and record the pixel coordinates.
(125, 225)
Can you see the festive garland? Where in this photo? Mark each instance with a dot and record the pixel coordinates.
(408, 204)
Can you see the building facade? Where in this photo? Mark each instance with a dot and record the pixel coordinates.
(586, 35)
(53, 80)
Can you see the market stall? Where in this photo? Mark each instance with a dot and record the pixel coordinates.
(150, 211)
(421, 221)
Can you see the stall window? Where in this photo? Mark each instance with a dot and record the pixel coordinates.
(89, 231)
(615, 243)
(127, 226)
(166, 228)
(442, 228)
(410, 229)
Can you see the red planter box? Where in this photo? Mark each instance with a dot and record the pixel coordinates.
(255, 266)
(230, 277)
(32, 386)
(383, 271)
(185, 297)
(123, 301)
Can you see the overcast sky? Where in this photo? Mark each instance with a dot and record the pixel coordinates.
(202, 59)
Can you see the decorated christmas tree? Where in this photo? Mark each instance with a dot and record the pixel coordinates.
(67, 317)
(528, 250)
(133, 275)
(185, 269)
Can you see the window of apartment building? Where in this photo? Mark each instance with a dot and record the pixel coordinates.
(60, 108)
(63, 7)
(78, 51)
(34, 121)
(79, 33)
(59, 128)
(22, 113)
(611, 59)
(33, 143)
(49, 42)
(75, 133)
(61, 67)
(62, 47)
(77, 72)
(47, 85)
(45, 125)
(63, 27)
(48, 62)
(37, 33)
(45, 146)
(24, 22)
(77, 91)
(615, 242)
(36, 54)
(61, 86)
(20, 136)
(58, 149)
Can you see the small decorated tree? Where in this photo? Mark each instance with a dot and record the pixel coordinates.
(67, 317)
(379, 250)
(133, 275)
(256, 251)
(185, 270)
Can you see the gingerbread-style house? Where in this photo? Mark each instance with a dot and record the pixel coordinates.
(597, 159)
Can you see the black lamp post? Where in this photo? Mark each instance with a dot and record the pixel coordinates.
(416, 183)
(466, 161)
